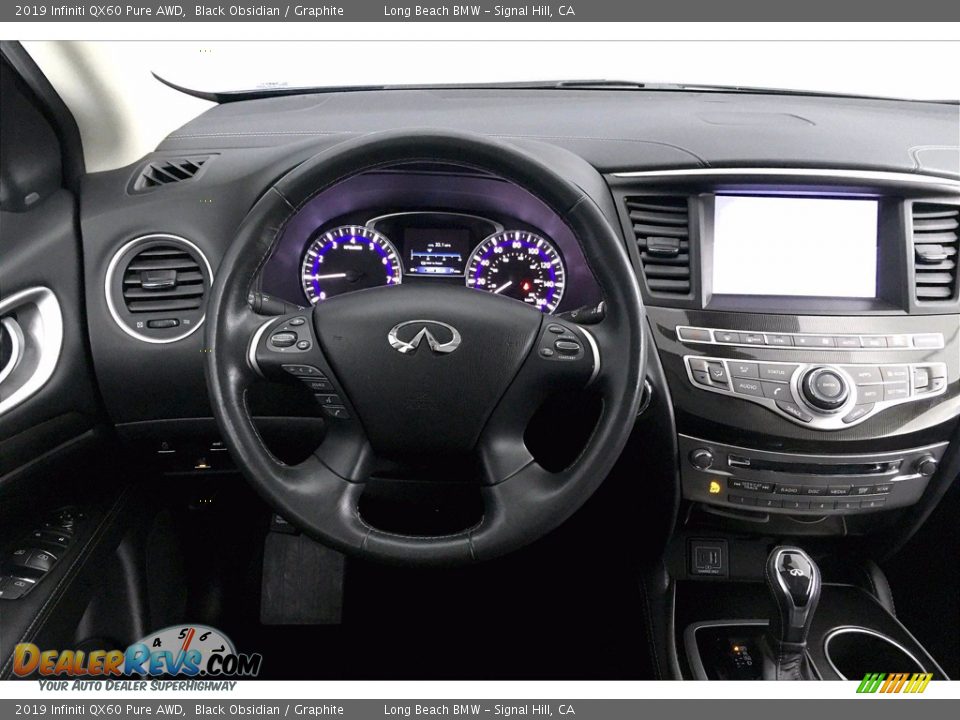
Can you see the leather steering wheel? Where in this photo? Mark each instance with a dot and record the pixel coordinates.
(407, 392)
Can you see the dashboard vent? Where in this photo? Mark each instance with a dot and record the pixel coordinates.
(661, 228)
(163, 278)
(168, 171)
(935, 242)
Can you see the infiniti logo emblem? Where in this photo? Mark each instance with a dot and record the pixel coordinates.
(421, 330)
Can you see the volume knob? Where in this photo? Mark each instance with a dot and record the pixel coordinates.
(824, 388)
(701, 458)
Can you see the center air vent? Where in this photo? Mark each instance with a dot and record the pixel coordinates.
(168, 171)
(156, 287)
(935, 241)
(661, 228)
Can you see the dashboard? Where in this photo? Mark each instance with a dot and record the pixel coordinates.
(801, 289)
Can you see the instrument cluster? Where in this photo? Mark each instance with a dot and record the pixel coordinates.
(482, 254)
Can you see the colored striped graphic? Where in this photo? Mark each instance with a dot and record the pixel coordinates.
(894, 683)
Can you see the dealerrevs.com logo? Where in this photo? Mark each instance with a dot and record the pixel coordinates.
(887, 683)
(180, 650)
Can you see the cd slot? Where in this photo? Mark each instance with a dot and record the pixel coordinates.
(886, 467)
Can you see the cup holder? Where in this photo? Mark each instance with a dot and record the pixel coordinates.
(853, 652)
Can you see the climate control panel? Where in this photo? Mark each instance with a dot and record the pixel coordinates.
(822, 396)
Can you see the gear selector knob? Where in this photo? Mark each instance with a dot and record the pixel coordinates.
(794, 581)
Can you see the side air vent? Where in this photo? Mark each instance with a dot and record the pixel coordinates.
(935, 242)
(156, 287)
(168, 171)
(661, 228)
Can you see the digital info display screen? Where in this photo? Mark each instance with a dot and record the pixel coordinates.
(798, 247)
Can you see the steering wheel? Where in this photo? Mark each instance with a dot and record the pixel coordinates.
(428, 371)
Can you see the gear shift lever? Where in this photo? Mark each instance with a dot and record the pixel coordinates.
(794, 581)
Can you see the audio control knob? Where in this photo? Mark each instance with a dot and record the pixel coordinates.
(927, 465)
(824, 388)
(701, 459)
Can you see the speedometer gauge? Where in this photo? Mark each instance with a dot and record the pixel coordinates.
(521, 265)
(348, 258)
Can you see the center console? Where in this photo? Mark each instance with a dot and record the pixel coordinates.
(808, 326)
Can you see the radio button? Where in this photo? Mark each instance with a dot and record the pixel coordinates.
(895, 373)
(873, 341)
(814, 341)
(869, 394)
(723, 336)
(781, 340)
(896, 391)
(795, 411)
(743, 369)
(847, 341)
(863, 374)
(717, 372)
(776, 391)
(751, 338)
(778, 373)
(858, 412)
(789, 489)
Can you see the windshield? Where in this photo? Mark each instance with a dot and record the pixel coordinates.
(874, 68)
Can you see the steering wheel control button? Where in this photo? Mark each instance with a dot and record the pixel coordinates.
(701, 459)
(329, 399)
(744, 369)
(556, 329)
(304, 371)
(547, 352)
(742, 386)
(303, 345)
(567, 347)
(859, 411)
(283, 339)
(776, 371)
(338, 412)
(318, 385)
(794, 411)
(297, 321)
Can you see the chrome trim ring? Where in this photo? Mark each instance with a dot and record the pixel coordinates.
(866, 631)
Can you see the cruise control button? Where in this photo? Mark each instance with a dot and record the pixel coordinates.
(303, 345)
(567, 347)
(814, 341)
(776, 391)
(336, 411)
(873, 341)
(794, 411)
(781, 340)
(717, 372)
(297, 321)
(896, 391)
(283, 339)
(863, 374)
(858, 412)
(747, 387)
(695, 334)
(777, 372)
(743, 369)
(722, 336)
(895, 373)
(847, 341)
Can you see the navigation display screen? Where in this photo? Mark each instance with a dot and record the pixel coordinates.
(789, 246)
(436, 251)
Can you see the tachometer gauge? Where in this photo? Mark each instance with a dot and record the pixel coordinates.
(348, 258)
(521, 265)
